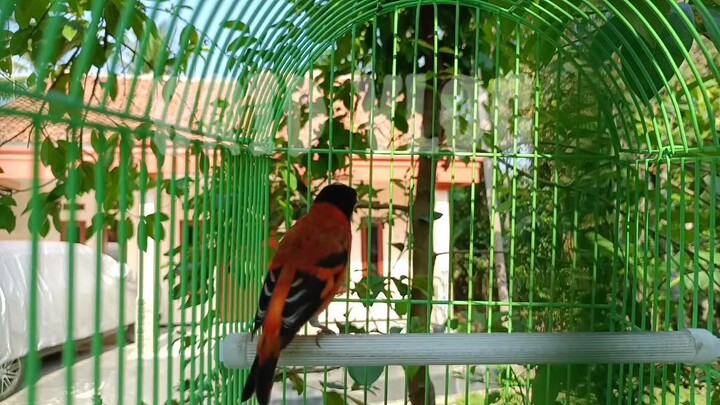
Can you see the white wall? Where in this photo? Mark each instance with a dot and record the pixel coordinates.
(396, 264)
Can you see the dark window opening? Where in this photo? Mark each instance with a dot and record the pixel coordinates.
(372, 247)
(79, 231)
(190, 235)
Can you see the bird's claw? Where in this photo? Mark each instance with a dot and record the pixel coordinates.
(323, 331)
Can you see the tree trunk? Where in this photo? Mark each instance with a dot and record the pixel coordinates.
(423, 261)
(423, 253)
(501, 278)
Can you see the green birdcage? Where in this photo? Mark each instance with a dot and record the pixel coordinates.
(537, 183)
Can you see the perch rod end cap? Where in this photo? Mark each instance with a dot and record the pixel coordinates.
(233, 350)
(707, 344)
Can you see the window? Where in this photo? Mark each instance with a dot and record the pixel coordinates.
(190, 232)
(111, 247)
(372, 247)
(80, 231)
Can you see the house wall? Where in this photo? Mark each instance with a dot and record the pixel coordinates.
(17, 163)
(395, 263)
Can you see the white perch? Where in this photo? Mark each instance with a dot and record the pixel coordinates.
(690, 346)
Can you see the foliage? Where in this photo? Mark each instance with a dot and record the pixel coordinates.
(568, 220)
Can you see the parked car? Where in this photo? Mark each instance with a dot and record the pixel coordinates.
(52, 302)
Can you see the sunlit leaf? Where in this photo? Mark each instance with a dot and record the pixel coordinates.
(365, 376)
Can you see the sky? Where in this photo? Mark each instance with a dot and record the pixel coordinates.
(209, 17)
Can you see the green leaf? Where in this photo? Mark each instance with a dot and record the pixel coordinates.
(369, 288)
(401, 286)
(191, 34)
(31, 80)
(46, 151)
(6, 65)
(129, 228)
(710, 31)
(608, 39)
(57, 192)
(410, 371)
(290, 179)
(69, 32)
(453, 323)
(19, 41)
(401, 308)
(7, 217)
(112, 17)
(365, 190)
(334, 398)
(547, 383)
(146, 226)
(144, 130)
(177, 292)
(111, 85)
(401, 123)
(296, 382)
(7, 201)
(642, 76)
(95, 139)
(150, 223)
(494, 397)
(87, 177)
(158, 146)
(94, 223)
(235, 25)
(704, 255)
(399, 246)
(241, 42)
(505, 206)
(207, 321)
(435, 216)
(333, 385)
(703, 281)
(365, 376)
(603, 243)
(168, 89)
(29, 9)
(54, 157)
(425, 44)
(350, 328)
(422, 284)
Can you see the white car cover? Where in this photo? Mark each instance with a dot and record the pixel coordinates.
(52, 295)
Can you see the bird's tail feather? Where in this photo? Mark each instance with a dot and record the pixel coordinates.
(265, 380)
(260, 380)
(249, 388)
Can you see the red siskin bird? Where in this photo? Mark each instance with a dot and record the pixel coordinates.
(307, 271)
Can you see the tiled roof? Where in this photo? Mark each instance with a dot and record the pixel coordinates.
(191, 109)
(136, 102)
(192, 101)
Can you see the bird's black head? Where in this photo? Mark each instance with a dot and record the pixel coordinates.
(339, 195)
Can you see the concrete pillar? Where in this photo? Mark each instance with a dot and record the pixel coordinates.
(441, 244)
(146, 317)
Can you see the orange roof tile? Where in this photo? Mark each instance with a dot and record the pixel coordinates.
(192, 106)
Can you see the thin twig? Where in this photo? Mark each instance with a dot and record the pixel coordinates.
(398, 207)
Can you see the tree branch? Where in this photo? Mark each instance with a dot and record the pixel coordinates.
(396, 207)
